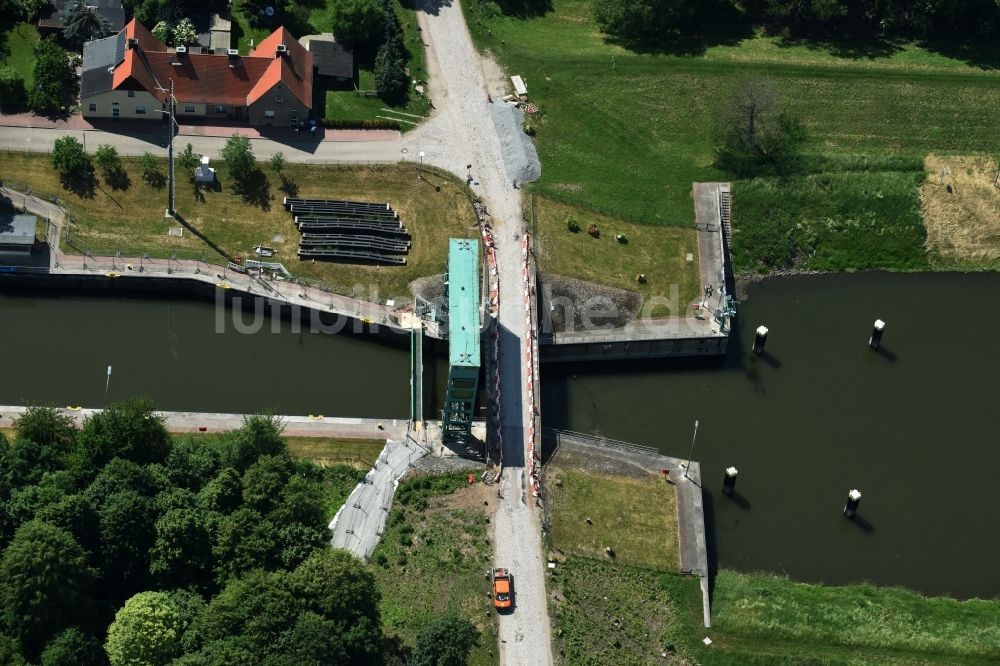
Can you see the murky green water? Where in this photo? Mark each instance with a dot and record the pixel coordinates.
(914, 428)
(56, 350)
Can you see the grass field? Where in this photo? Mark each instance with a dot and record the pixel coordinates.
(659, 251)
(628, 132)
(432, 558)
(18, 44)
(861, 623)
(636, 517)
(961, 210)
(132, 220)
(614, 615)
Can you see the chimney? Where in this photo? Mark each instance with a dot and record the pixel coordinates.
(282, 48)
(181, 50)
(133, 43)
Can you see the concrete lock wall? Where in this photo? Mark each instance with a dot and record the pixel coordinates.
(701, 346)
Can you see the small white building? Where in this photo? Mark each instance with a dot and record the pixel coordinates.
(204, 173)
(17, 234)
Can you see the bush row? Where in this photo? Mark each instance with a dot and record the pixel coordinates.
(377, 123)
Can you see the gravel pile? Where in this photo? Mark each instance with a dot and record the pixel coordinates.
(430, 288)
(567, 301)
(518, 151)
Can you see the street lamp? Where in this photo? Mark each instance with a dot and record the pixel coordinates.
(171, 104)
(420, 170)
(691, 454)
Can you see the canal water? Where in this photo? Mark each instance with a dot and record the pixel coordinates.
(56, 351)
(914, 428)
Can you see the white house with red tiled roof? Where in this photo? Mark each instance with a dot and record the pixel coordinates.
(127, 76)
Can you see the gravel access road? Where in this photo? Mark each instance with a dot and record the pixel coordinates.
(466, 130)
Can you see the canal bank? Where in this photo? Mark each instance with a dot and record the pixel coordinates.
(820, 414)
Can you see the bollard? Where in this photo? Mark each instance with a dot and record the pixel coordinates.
(853, 500)
(876, 340)
(759, 340)
(729, 481)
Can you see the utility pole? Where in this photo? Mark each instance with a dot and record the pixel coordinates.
(171, 104)
(691, 454)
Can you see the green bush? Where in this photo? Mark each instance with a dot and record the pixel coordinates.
(12, 94)
(377, 123)
(572, 224)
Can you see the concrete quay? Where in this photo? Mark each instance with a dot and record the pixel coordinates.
(687, 335)
(615, 457)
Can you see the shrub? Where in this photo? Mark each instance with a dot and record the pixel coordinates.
(529, 129)
(377, 123)
(12, 94)
(572, 224)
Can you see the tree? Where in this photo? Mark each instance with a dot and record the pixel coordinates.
(754, 131)
(184, 33)
(264, 481)
(192, 464)
(357, 22)
(150, 169)
(83, 23)
(44, 425)
(26, 461)
(131, 430)
(391, 80)
(150, 627)
(107, 160)
(12, 94)
(121, 475)
(244, 541)
(128, 532)
(44, 584)
(637, 21)
(69, 160)
(29, 9)
(223, 494)
(335, 585)
(77, 515)
(445, 642)
(162, 31)
(73, 647)
(277, 163)
(238, 156)
(258, 435)
(187, 158)
(258, 606)
(182, 553)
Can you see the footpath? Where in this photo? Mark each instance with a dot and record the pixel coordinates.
(25, 133)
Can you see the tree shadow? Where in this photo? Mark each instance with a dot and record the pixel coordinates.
(155, 179)
(117, 179)
(289, 188)
(975, 53)
(852, 47)
(720, 25)
(524, 8)
(255, 189)
(81, 184)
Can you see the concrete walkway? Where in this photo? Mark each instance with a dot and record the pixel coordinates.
(298, 149)
(462, 132)
(295, 426)
(360, 522)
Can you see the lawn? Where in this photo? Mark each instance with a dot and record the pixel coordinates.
(636, 517)
(659, 251)
(838, 214)
(18, 44)
(432, 558)
(628, 132)
(861, 623)
(131, 221)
